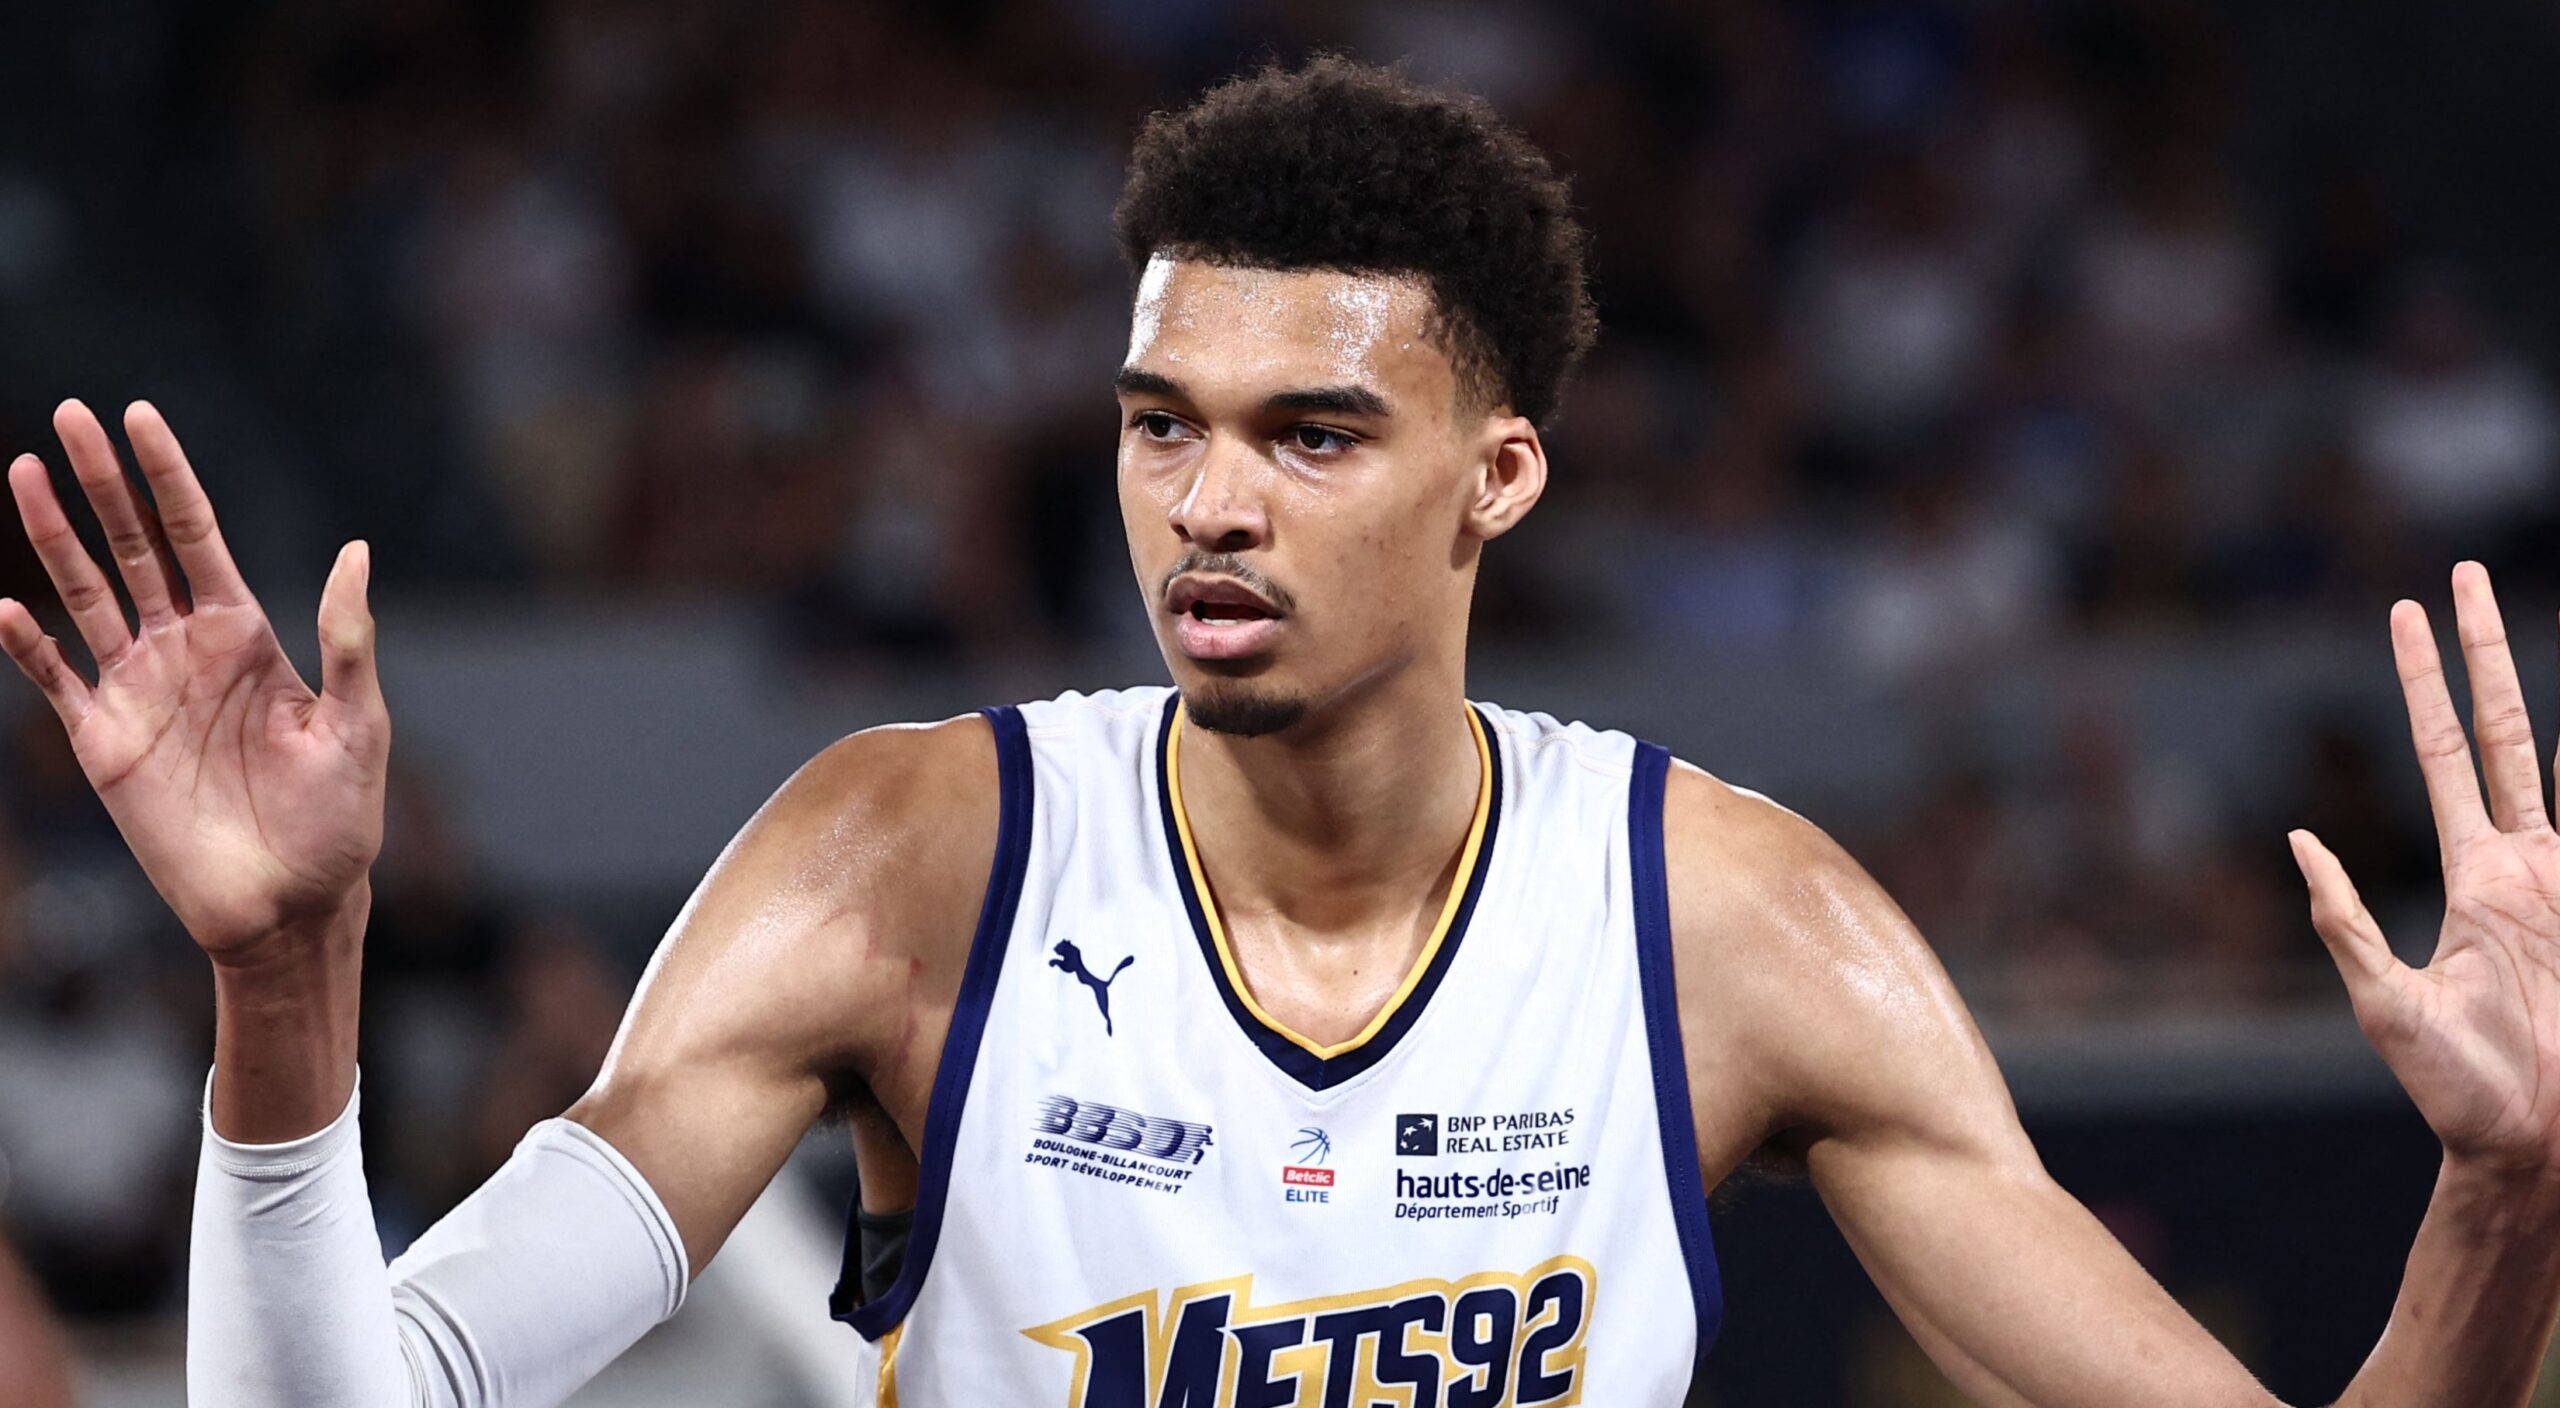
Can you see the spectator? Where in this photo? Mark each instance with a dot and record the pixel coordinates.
(2457, 436)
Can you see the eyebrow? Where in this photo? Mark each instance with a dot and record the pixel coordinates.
(1348, 400)
(1332, 400)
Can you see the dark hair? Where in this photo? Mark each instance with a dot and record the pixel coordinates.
(1341, 165)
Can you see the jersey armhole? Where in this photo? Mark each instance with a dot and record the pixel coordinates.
(959, 1048)
(1649, 873)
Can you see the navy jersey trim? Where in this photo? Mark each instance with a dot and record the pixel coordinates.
(1295, 1061)
(1649, 872)
(960, 1047)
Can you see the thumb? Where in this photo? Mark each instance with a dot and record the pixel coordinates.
(2355, 941)
(348, 683)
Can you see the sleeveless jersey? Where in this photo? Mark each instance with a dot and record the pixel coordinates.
(1140, 1191)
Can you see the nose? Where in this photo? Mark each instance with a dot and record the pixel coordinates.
(1222, 511)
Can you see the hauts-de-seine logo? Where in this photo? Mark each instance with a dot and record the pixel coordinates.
(1070, 959)
(1308, 1180)
(1455, 1187)
(1490, 1340)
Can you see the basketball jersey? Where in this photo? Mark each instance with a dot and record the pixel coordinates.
(1138, 1190)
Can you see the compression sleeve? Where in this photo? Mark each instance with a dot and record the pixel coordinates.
(523, 1292)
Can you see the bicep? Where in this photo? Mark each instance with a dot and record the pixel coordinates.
(804, 959)
(705, 1091)
(1861, 1055)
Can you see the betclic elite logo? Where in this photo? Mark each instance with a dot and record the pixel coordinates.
(1308, 1180)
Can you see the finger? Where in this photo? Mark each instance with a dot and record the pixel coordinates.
(2355, 941)
(84, 590)
(39, 658)
(2444, 754)
(350, 688)
(132, 529)
(2499, 723)
(186, 514)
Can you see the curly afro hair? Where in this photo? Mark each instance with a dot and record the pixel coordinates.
(1346, 166)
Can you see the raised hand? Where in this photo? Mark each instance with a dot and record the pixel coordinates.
(2474, 1036)
(253, 804)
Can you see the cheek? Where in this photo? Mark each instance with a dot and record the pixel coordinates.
(1143, 521)
(1385, 556)
(1144, 500)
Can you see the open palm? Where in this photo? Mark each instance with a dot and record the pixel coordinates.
(253, 804)
(2474, 1036)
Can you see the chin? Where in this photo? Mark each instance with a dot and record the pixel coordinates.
(1244, 708)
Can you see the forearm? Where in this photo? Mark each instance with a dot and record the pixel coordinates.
(512, 1300)
(285, 1028)
(2477, 1302)
(288, 1303)
(2019, 1293)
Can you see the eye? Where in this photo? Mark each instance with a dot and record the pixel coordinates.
(1320, 440)
(1156, 425)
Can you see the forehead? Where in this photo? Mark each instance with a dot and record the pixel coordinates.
(1244, 330)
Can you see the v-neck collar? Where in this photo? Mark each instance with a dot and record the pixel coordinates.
(1315, 1064)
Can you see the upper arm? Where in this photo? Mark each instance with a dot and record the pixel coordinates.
(812, 956)
(1812, 1005)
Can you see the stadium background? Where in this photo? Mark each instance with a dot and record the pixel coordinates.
(2010, 425)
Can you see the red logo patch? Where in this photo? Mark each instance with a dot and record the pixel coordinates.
(1303, 1177)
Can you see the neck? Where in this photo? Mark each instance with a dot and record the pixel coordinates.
(1360, 807)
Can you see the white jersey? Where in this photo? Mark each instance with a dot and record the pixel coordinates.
(1141, 1191)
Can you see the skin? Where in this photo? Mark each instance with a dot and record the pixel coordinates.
(1303, 425)
(35, 1361)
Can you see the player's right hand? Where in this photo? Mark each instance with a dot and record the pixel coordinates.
(254, 805)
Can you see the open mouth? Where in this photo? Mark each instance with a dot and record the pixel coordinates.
(1227, 613)
(1220, 618)
(1218, 601)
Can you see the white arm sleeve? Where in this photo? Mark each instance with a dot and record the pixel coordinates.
(522, 1293)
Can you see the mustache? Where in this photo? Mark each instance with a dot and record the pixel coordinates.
(1227, 564)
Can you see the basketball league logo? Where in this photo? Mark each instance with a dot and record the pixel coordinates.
(1313, 1146)
(1308, 1180)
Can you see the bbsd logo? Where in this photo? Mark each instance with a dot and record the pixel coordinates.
(1108, 1127)
(1491, 1340)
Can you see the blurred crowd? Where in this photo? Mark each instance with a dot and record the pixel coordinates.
(481, 1018)
(1935, 334)
(1932, 329)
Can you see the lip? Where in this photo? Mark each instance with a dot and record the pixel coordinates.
(1192, 588)
(1223, 640)
(1219, 640)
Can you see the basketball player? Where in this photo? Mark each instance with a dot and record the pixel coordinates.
(1300, 1035)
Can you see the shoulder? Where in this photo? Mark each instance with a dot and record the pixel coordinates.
(846, 901)
(1820, 1004)
(1750, 874)
(879, 845)
(884, 800)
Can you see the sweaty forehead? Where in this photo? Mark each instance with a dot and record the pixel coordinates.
(1247, 331)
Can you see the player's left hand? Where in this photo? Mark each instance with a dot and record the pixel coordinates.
(2475, 1034)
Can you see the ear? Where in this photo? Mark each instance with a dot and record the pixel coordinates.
(1511, 473)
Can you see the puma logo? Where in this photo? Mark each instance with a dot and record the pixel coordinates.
(1071, 960)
